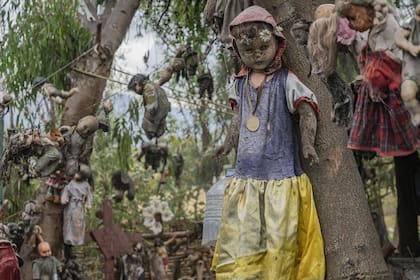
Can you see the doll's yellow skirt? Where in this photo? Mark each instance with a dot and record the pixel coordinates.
(270, 230)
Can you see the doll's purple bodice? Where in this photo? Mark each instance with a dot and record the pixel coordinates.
(271, 152)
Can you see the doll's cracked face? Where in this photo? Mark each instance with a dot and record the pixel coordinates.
(360, 17)
(44, 249)
(258, 52)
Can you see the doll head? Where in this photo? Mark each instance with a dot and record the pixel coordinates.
(256, 44)
(360, 13)
(257, 39)
(87, 125)
(44, 249)
(137, 82)
(324, 11)
(56, 137)
(108, 107)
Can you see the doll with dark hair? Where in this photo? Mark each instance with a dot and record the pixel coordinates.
(266, 232)
(122, 182)
(156, 105)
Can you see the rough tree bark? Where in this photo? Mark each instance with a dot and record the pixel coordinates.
(351, 242)
(112, 30)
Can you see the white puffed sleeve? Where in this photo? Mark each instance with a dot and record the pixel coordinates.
(297, 92)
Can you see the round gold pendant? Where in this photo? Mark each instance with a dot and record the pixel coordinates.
(253, 123)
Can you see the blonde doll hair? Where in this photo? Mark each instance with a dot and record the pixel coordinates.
(322, 44)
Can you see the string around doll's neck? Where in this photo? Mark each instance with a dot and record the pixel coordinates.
(253, 122)
(253, 109)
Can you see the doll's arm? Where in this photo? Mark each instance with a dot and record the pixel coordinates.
(401, 40)
(232, 137)
(308, 126)
(64, 199)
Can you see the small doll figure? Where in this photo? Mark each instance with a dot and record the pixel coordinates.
(78, 147)
(381, 122)
(156, 105)
(330, 39)
(75, 196)
(50, 150)
(50, 91)
(55, 183)
(156, 155)
(46, 267)
(9, 265)
(103, 116)
(409, 41)
(4, 103)
(269, 226)
(122, 182)
(133, 264)
(31, 216)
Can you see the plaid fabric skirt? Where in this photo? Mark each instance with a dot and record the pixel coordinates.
(383, 127)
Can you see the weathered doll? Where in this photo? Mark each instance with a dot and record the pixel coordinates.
(50, 91)
(269, 227)
(4, 103)
(409, 41)
(46, 267)
(103, 116)
(329, 40)
(55, 183)
(79, 146)
(134, 264)
(381, 123)
(156, 105)
(75, 196)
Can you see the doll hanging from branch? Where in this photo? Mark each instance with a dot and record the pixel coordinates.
(50, 91)
(156, 105)
(76, 196)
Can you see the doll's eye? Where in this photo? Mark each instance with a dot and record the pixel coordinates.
(264, 47)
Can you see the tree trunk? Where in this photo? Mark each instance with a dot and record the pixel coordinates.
(351, 243)
(82, 103)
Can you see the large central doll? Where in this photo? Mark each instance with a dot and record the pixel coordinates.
(270, 228)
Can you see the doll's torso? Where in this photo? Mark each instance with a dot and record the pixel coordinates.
(270, 152)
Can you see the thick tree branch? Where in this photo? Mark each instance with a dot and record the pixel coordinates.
(117, 25)
(107, 12)
(88, 16)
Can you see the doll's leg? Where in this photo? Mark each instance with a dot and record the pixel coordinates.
(409, 90)
(405, 170)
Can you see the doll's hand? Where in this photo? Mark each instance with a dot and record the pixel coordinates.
(342, 113)
(414, 50)
(309, 153)
(219, 153)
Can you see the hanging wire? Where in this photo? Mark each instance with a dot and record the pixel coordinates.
(68, 64)
(182, 98)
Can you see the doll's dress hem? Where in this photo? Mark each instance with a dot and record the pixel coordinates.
(270, 230)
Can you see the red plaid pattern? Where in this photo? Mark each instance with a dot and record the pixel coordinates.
(385, 126)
